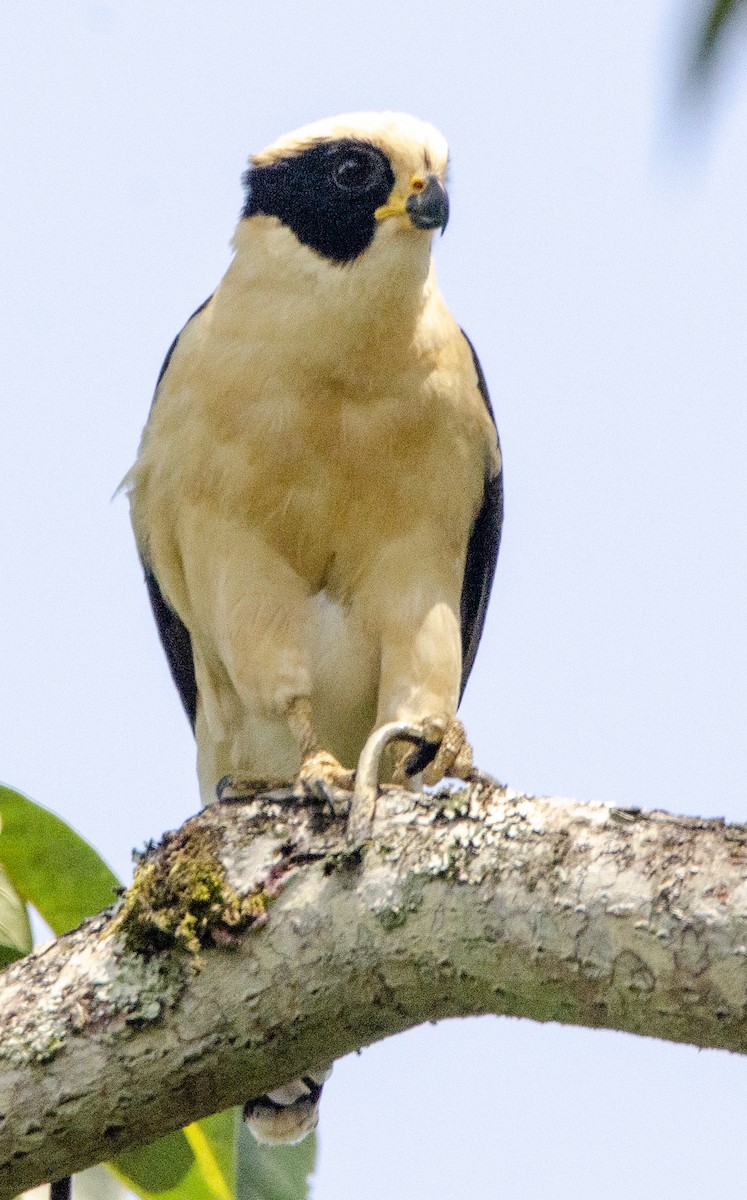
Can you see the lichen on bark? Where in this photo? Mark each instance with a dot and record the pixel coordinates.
(180, 898)
(481, 901)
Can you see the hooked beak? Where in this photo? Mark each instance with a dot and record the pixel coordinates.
(426, 206)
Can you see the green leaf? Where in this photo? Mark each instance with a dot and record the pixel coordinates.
(219, 1132)
(718, 15)
(217, 1159)
(15, 930)
(272, 1172)
(156, 1169)
(196, 1164)
(50, 865)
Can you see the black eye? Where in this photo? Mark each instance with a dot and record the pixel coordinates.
(355, 170)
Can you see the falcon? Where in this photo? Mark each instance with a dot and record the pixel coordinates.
(317, 498)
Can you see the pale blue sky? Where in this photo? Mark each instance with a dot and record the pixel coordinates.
(597, 256)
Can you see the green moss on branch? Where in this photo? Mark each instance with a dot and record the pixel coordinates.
(180, 899)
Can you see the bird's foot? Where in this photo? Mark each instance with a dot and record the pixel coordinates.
(441, 750)
(289, 1113)
(322, 777)
(239, 789)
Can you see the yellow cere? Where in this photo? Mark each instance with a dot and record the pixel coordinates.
(396, 206)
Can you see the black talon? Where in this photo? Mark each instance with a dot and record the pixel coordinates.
(221, 786)
(420, 757)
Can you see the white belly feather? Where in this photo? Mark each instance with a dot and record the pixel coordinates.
(345, 667)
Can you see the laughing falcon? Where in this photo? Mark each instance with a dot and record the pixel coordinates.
(317, 497)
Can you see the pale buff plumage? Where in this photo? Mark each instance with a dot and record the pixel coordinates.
(307, 482)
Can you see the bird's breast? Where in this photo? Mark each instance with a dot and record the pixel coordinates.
(325, 467)
(325, 478)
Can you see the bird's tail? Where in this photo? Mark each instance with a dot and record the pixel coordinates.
(289, 1113)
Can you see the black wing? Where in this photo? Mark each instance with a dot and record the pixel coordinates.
(173, 632)
(177, 643)
(482, 552)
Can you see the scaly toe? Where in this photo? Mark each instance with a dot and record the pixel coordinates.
(236, 789)
(322, 777)
(441, 750)
(453, 757)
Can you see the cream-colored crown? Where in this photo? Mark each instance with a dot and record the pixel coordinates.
(409, 143)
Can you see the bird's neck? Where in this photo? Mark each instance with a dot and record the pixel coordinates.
(320, 313)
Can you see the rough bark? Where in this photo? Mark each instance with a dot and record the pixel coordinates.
(255, 944)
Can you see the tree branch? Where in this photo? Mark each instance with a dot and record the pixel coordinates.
(253, 945)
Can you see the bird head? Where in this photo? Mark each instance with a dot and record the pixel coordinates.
(334, 241)
(344, 184)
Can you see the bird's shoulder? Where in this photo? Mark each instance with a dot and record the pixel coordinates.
(458, 378)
